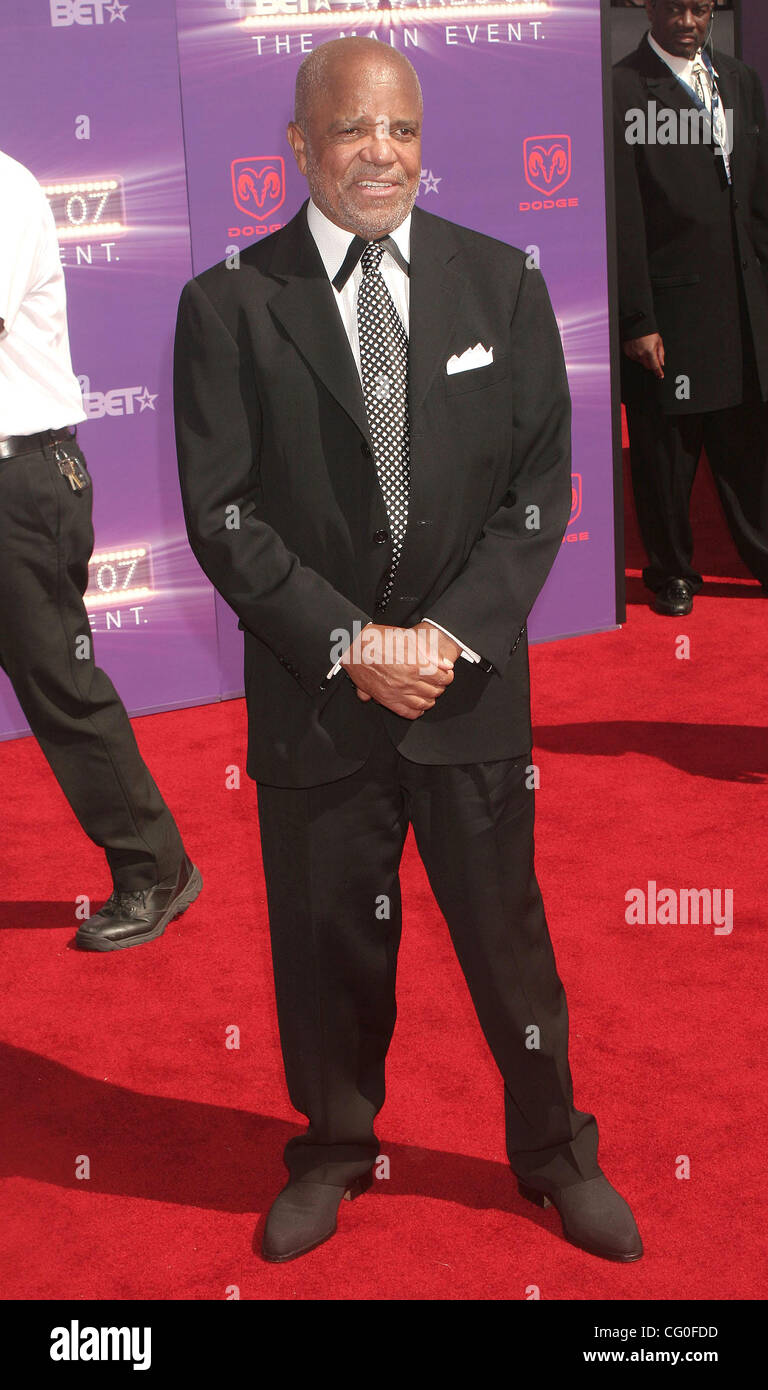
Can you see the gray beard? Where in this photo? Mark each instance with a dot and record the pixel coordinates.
(378, 222)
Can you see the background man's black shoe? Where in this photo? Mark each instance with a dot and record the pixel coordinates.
(595, 1217)
(129, 919)
(304, 1214)
(675, 599)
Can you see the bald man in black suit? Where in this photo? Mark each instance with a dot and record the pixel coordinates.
(378, 399)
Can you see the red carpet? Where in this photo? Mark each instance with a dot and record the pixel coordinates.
(652, 768)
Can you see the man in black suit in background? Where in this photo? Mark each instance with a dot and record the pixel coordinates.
(692, 237)
(373, 426)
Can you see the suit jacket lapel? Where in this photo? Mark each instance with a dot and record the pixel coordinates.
(436, 292)
(660, 81)
(306, 307)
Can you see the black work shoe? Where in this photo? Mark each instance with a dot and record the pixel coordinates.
(129, 919)
(675, 599)
(304, 1214)
(594, 1216)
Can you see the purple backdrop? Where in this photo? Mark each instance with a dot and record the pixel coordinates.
(513, 146)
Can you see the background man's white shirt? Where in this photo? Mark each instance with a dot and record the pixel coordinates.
(38, 389)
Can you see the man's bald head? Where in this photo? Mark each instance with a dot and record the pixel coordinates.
(336, 58)
(357, 133)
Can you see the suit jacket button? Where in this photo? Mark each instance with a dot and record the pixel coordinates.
(365, 449)
(381, 536)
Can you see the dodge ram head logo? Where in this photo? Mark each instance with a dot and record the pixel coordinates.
(547, 160)
(258, 185)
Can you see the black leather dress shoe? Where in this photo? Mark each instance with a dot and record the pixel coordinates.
(304, 1214)
(675, 599)
(594, 1216)
(129, 919)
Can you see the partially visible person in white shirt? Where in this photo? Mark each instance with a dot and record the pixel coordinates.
(46, 541)
(38, 389)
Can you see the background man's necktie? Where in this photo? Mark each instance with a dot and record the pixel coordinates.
(697, 78)
(384, 366)
(705, 87)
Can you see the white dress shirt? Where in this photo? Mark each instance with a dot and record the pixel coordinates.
(38, 389)
(684, 68)
(333, 243)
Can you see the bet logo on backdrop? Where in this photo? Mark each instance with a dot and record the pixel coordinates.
(66, 12)
(547, 162)
(121, 400)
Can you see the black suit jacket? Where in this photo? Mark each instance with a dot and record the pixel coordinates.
(692, 252)
(282, 502)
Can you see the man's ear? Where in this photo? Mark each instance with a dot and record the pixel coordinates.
(298, 144)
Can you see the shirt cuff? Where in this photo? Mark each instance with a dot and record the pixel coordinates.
(466, 652)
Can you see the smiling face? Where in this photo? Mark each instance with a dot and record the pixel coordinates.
(680, 26)
(359, 143)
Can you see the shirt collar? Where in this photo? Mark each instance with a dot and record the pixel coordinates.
(681, 67)
(333, 242)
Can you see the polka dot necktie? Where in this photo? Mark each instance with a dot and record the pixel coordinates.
(384, 365)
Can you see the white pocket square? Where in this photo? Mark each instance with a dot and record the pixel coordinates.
(477, 356)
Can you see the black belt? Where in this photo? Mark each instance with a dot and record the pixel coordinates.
(30, 443)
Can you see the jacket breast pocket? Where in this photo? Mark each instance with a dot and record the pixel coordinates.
(475, 378)
(673, 282)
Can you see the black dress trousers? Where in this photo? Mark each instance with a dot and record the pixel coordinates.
(664, 455)
(73, 709)
(331, 856)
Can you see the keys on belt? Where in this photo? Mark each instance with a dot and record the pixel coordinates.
(70, 468)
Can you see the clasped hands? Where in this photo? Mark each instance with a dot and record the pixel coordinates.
(404, 669)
